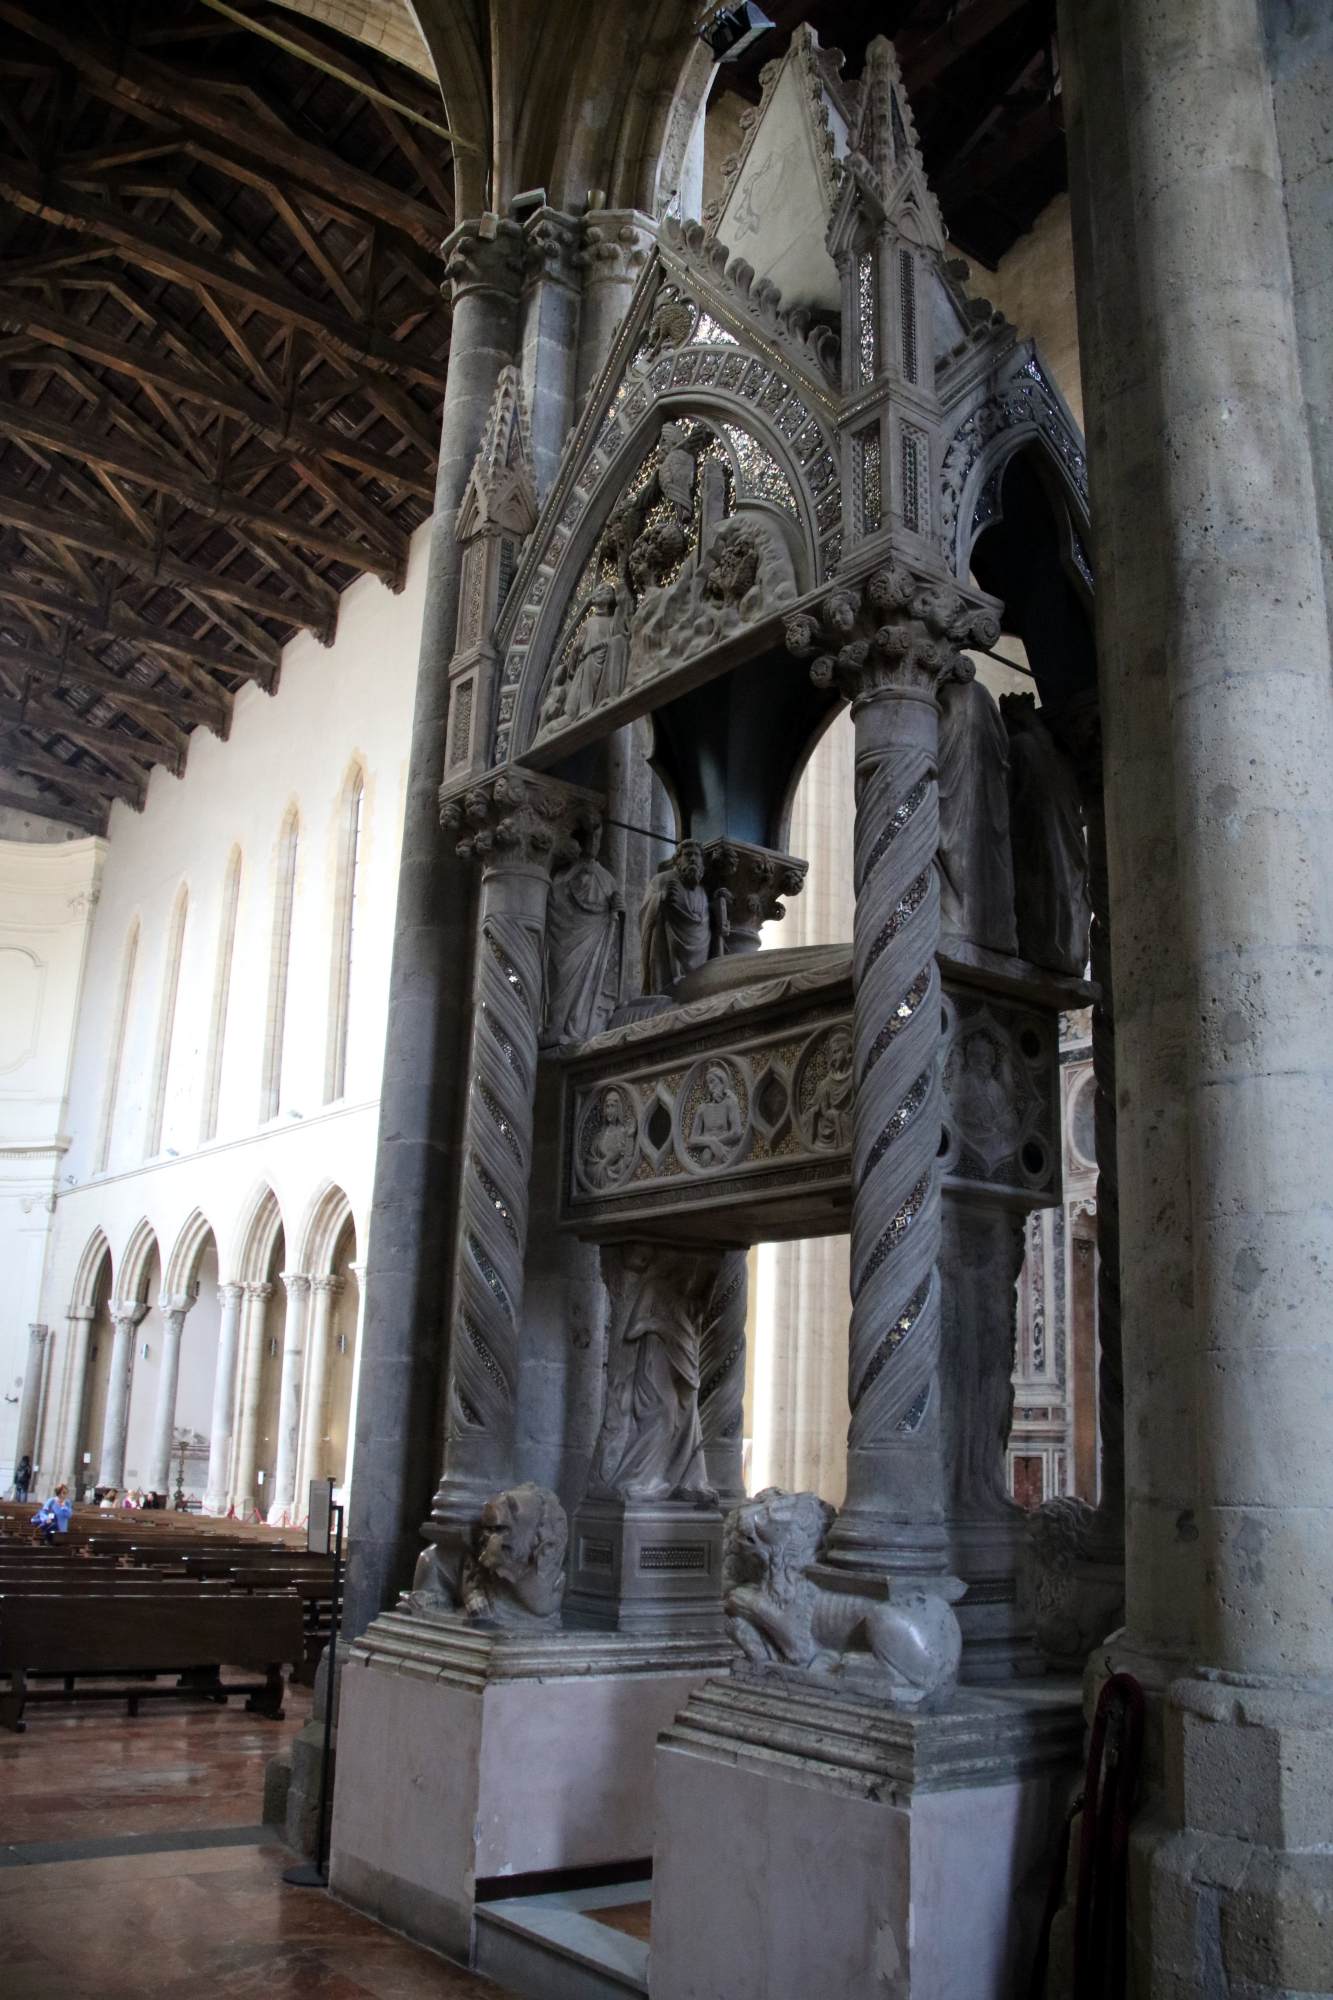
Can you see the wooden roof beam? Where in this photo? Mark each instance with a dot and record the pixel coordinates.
(16, 749)
(172, 256)
(115, 621)
(157, 565)
(53, 718)
(925, 55)
(161, 713)
(46, 808)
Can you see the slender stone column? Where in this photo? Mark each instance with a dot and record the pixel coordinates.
(126, 1315)
(323, 1291)
(722, 1377)
(257, 1296)
(173, 1313)
(516, 825)
(230, 1297)
(616, 243)
(408, 1248)
(894, 1517)
(25, 1441)
(550, 323)
(1208, 476)
(280, 1507)
(67, 1466)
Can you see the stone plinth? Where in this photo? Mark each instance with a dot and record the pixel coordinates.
(640, 1566)
(812, 1842)
(465, 1755)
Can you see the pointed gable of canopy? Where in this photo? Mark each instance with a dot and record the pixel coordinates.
(781, 187)
(501, 493)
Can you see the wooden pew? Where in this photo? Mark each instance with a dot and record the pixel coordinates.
(190, 1631)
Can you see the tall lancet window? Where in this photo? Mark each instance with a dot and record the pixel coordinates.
(166, 1022)
(284, 896)
(117, 1054)
(346, 917)
(217, 1020)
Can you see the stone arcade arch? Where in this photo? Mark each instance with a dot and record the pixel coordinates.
(260, 1339)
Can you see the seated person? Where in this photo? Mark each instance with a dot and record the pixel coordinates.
(109, 1498)
(52, 1517)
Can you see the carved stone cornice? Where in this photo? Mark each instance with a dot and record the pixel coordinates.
(898, 632)
(483, 255)
(516, 818)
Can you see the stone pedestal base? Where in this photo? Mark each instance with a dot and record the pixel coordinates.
(640, 1566)
(812, 1842)
(1234, 1864)
(997, 1614)
(465, 1755)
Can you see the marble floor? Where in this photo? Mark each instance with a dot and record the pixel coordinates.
(132, 1867)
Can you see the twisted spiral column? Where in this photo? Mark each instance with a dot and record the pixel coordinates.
(517, 826)
(722, 1376)
(893, 1518)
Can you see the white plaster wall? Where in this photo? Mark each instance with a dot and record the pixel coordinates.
(48, 887)
(351, 702)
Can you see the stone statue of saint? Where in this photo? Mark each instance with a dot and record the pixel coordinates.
(651, 1445)
(976, 863)
(831, 1103)
(717, 1127)
(675, 922)
(985, 1113)
(609, 1153)
(585, 922)
(1050, 852)
(598, 673)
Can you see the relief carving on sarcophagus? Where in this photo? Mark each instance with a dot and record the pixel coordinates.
(734, 1109)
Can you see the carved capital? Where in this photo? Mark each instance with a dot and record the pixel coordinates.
(230, 1294)
(520, 820)
(552, 242)
(744, 884)
(483, 255)
(178, 1302)
(331, 1285)
(258, 1288)
(38, 1334)
(897, 632)
(297, 1283)
(616, 243)
(130, 1311)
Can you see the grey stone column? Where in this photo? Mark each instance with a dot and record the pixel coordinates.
(67, 1467)
(1206, 444)
(550, 335)
(894, 1517)
(409, 1239)
(616, 243)
(224, 1391)
(323, 1291)
(516, 825)
(289, 1397)
(722, 1377)
(126, 1315)
(25, 1439)
(173, 1313)
(257, 1296)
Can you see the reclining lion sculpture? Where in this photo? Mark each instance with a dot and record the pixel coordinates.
(904, 1646)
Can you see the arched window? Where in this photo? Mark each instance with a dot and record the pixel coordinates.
(217, 1024)
(346, 912)
(166, 1022)
(284, 896)
(117, 1048)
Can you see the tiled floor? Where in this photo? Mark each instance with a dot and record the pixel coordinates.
(202, 1922)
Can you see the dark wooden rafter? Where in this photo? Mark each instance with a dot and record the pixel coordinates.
(222, 355)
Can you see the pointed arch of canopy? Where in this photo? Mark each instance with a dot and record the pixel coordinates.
(1018, 408)
(326, 1219)
(182, 1272)
(88, 1273)
(131, 1271)
(257, 1231)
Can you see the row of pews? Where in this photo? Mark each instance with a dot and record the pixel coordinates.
(140, 1607)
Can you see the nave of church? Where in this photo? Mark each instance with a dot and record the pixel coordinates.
(665, 700)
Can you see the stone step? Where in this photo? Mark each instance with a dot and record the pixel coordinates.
(546, 1948)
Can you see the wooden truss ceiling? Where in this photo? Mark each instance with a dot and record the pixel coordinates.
(983, 77)
(222, 358)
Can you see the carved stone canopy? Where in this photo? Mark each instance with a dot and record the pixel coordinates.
(519, 819)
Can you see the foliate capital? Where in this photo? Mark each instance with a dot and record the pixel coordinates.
(552, 242)
(616, 243)
(519, 819)
(896, 632)
(297, 1283)
(333, 1285)
(483, 255)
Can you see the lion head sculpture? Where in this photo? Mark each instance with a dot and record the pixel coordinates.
(769, 1540)
(515, 1574)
